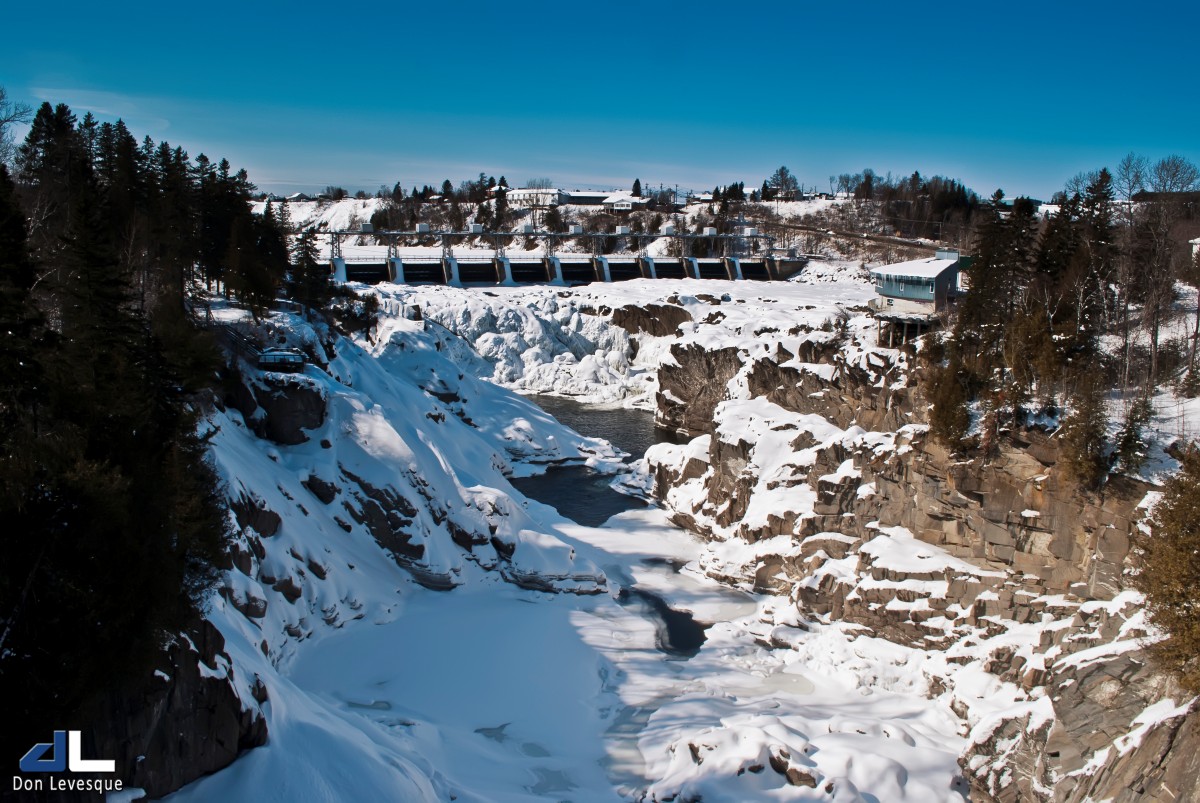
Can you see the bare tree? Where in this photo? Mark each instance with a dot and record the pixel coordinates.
(1078, 183)
(784, 183)
(1174, 174)
(11, 113)
(1168, 179)
(1130, 179)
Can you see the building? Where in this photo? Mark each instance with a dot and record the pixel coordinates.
(534, 197)
(587, 197)
(624, 202)
(912, 294)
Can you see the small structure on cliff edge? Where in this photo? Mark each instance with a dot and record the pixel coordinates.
(912, 294)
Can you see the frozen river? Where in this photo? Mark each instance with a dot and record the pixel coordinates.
(534, 696)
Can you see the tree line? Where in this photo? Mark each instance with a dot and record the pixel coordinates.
(115, 521)
(1055, 306)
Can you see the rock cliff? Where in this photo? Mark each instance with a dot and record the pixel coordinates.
(822, 465)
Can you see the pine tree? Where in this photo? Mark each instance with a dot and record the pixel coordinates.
(1083, 435)
(950, 393)
(501, 210)
(1131, 444)
(119, 518)
(1170, 571)
(309, 284)
(636, 192)
(553, 220)
(19, 319)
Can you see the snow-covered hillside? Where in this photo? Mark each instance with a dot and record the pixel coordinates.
(381, 686)
(423, 631)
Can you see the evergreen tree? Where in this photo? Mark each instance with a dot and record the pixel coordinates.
(501, 211)
(1131, 443)
(1170, 571)
(19, 319)
(1083, 434)
(636, 192)
(309, 283)
(553, 220)
(950, 394)
(53, 164)
(113, 518)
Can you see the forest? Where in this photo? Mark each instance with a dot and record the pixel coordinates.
(115, 522)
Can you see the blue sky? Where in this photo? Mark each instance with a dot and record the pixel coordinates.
(1019, 96)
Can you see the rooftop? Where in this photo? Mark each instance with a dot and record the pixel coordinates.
(929, 268)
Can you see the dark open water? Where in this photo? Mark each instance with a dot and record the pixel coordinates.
(585, 496)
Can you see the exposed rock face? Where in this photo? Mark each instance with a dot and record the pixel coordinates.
(1088, 751)
(279, 407)
(657, 320)
(1029, 560)
(182, 722)
(1164, 766)
(850, 395)
(253, 513)
(1013, 511)
(690, 389)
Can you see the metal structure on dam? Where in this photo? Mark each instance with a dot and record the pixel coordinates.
(551, 268)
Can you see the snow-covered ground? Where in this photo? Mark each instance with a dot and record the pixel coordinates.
(381, 688)
(542, 339)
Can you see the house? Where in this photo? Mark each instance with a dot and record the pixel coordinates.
(1195, 247)
(909, 295)
(919, 289)
(534, 197)
(587, 197)
(624, 202)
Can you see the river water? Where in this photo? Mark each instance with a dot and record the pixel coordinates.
(552, 697)
(577, 492)
(586, 497)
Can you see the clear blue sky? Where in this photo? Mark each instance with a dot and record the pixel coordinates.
(1018, 95)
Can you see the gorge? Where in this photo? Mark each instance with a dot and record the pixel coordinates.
(820, 602)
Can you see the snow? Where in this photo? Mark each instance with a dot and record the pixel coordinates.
(929, 268)
(897, 549)
(382, 688)
(379, 688)
(1152, 715)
